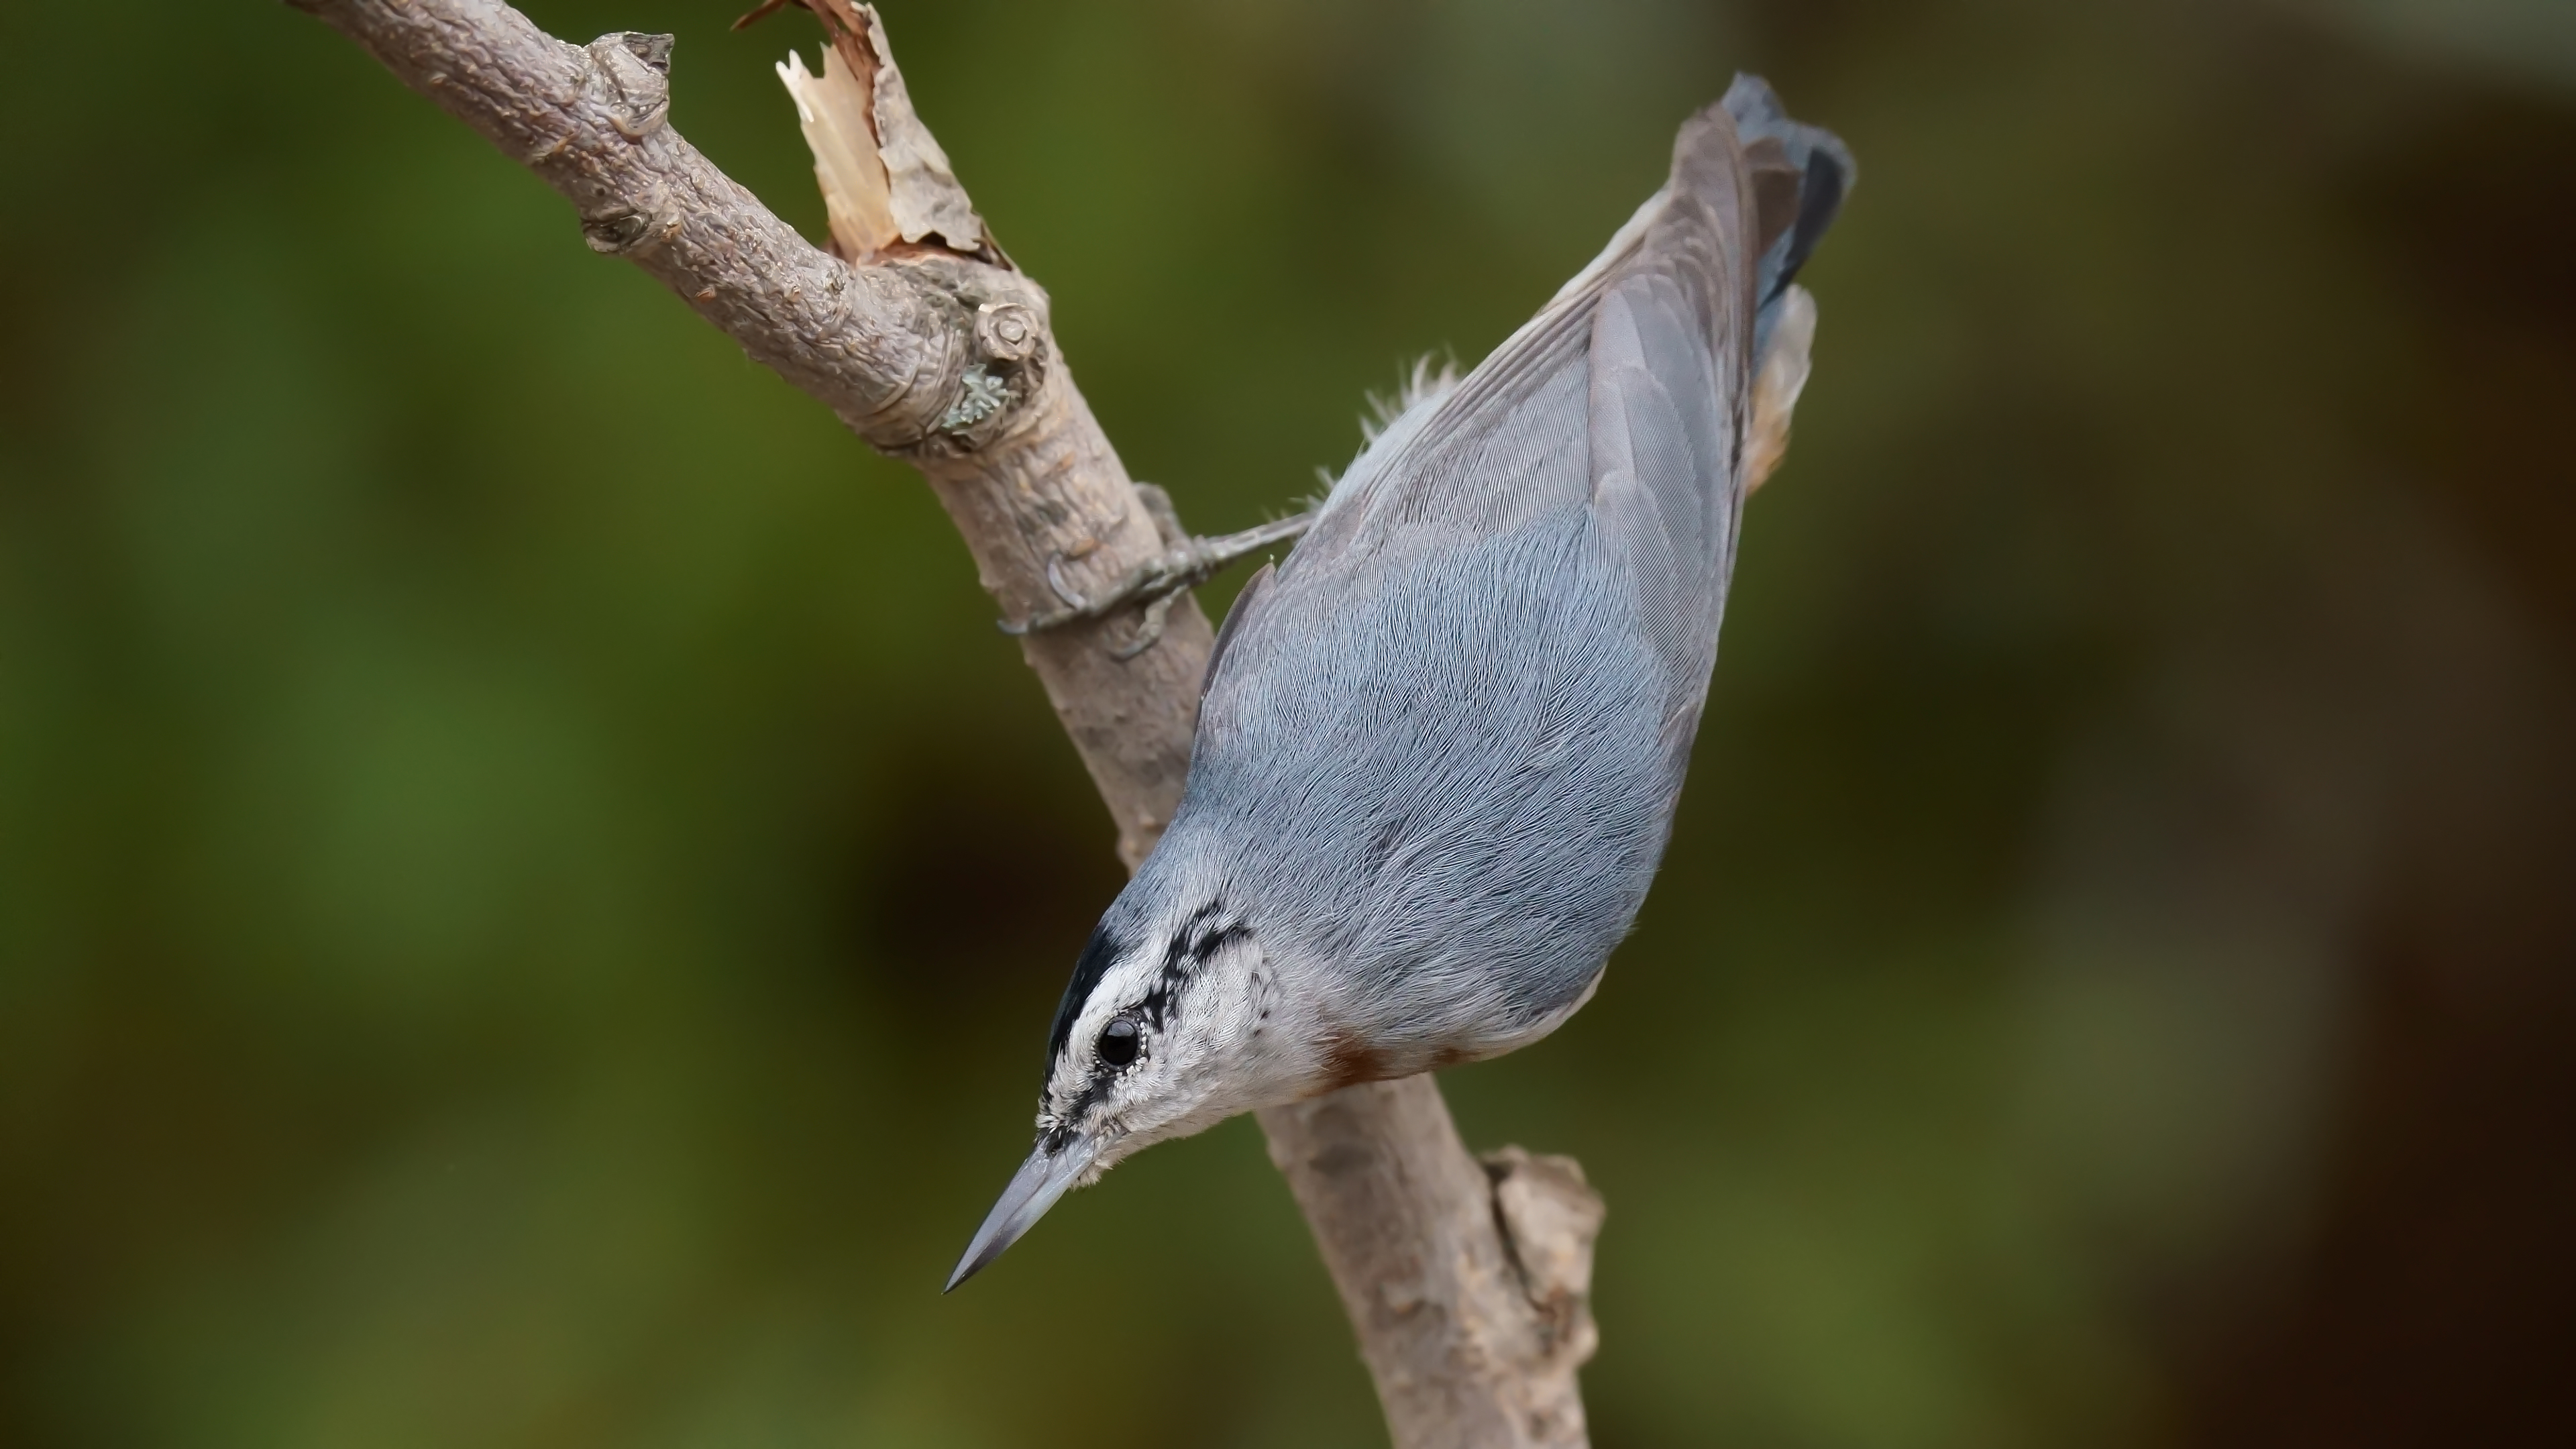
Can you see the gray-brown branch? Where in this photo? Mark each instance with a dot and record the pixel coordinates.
(1466, 1282)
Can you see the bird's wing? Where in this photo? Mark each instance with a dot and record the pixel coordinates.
(1625, 394)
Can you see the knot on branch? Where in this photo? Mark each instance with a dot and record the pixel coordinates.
(620, 229)
(1006, 332)
(632, 73)
(988, 365)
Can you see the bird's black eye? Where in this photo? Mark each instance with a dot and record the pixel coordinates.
(1118, 1042)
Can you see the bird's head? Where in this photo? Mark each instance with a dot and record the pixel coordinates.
(1174, 1021)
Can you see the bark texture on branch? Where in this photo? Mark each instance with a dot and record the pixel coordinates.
(1467, 1284)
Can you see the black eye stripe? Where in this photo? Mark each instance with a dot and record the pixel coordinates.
(1104, 948)
(1188, 949)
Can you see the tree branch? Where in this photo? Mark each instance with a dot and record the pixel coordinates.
(1468, 1285)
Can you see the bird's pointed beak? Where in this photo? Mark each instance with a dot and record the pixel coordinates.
(1034, 1188)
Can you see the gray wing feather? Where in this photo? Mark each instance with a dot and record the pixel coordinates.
(1441, 745)
(1625, 394)
(1663, 472)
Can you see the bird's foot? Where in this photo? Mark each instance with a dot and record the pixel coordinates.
(1184, 563)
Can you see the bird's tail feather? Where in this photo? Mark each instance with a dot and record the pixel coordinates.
(1800, 175)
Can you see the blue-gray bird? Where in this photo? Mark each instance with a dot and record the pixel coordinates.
(1439, 746)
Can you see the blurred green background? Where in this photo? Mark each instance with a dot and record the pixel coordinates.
(531, 889)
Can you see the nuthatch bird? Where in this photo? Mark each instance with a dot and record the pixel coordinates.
(1439, 746)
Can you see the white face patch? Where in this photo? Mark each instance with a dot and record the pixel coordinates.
(1173, 1037)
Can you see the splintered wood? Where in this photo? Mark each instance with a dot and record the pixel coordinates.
(883, 175)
